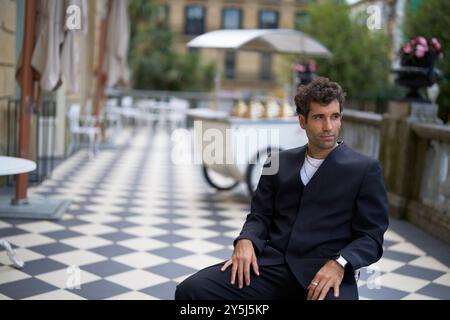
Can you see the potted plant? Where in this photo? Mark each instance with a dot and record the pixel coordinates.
(418, 57)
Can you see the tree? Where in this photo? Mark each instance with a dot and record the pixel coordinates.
(431, 19)
(360, 61)
(154, 62)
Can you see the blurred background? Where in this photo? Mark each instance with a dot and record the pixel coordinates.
(111, 100)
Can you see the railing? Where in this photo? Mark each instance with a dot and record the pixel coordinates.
(42, 136)
(435, 174)
(361, 131)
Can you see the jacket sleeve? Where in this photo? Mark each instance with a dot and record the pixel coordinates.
(370, 220)
(257, 223)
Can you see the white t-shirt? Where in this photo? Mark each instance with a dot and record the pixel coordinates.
(309, 168)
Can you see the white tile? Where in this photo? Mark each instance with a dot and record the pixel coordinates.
(401, 282)
(148, 220)
(86, 242)
(237, 223)
(140, 260)
(195, 222)
(386, 265)
(393, 236)
(146, 231)
(233, 233)
(183, 277)
(444, 280)
(66, 278)
(196, 233)
(56, 295)
(3, 297)
(99, 218)
(429, 263)
(77, 258)
(143, 244)
(4, 225)
(407, 247)
(133, 295)
(41, 227)
(198, 261)
(104, 208)
(198, 246)
(93, 229)
(8, 274)
(416, 296)
(30, 240)
(137, 279)
(22, 254)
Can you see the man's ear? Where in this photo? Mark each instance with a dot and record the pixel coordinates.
(302, 121)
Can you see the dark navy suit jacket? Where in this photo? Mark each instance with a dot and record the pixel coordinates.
(342, 210)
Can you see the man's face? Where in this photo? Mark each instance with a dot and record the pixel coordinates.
(322, 127)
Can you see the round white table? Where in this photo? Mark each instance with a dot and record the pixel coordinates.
(12, 166)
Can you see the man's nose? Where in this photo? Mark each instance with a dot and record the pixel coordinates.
(327, 125)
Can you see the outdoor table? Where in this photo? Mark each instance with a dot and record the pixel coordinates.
(12, 166)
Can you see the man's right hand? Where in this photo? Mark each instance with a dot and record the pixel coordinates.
(243, 256)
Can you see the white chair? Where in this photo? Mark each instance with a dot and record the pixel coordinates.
(177, 115)
(88, 130)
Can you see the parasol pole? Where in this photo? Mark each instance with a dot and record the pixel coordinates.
(101, 77)
(26, 98)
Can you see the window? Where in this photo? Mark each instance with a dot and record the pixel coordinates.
(195, 20)
(230, 64)
(231, 18)
(266, 66)
(301, 20)
(268, 19)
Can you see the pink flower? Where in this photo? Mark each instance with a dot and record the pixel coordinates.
(421, 40)
(436, 44)
(407, 48)
(420, 51)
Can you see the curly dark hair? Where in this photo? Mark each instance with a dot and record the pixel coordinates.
(320, 90)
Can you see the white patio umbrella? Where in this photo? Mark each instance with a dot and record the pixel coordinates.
(285, 41)
(116, 50)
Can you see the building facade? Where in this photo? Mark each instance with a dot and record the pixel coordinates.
(241, 70)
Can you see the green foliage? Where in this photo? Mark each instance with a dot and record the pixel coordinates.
(360, 61)
(153, 59)
(431, 19)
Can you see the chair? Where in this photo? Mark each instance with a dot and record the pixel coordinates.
(88, 130)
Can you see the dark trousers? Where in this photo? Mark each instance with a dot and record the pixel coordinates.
(274, 282)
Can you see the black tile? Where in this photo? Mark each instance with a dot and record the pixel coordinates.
(170, 226)
(399, 256)
(62, 234)
(171, 238)
(125, 214)
(25, 288)
(223, 240)
(106, 268)
(41, 266)
(171, 270)
(224, 254)
(52, 248)
(9, 232)
(113, 250)
(171, 252)
(220, 228)
(122, 224)
(382, 293)
(98, 290)
(164, 291)
(436, 291)
(116, 236)
(418, 272)
(72, 222)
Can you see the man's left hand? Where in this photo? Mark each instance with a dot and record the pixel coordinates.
(329, 276)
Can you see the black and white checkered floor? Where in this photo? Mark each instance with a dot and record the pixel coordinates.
(139, 224)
